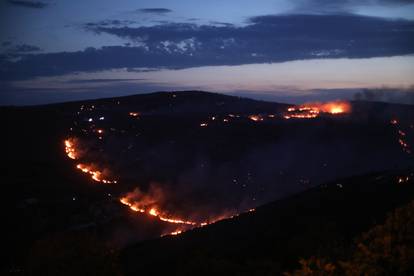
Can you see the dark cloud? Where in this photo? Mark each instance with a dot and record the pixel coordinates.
(155, 10)
(265, 39)
(6, 43)
(109, 23)
(101, 80)
(28, 4)
(221, 24)
(25, 48)
(328, 6)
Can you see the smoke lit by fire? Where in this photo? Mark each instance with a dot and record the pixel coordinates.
(152, 210)
(149, 203)
(73, 153)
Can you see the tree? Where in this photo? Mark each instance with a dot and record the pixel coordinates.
(386, 249)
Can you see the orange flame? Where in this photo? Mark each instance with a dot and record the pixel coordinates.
(146, 206)
(72, 153)
(153, 211)
(70, 149)
(256, 118)
(313, 110)
(95, 174)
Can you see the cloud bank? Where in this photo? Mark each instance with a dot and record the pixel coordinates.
(28, 4)
(266, 39)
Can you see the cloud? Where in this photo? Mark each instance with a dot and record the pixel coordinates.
(335, 6)
(155, 10)
(6, 43)
(25, 48)
(28, 4)
(266, 39)
(109, 23)
(102, 80)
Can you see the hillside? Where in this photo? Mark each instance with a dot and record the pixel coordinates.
(200, 156)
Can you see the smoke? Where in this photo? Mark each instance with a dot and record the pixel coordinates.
(387, 94)
(153, 197)
(177, 170)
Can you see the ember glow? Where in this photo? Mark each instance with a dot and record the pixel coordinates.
(401, 136)
(313, 110)
(403, 179)
(256, 118)
(134, 114)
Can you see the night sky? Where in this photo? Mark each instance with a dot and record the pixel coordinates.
(290, 51)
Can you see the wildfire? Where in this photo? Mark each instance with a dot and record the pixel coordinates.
(313, 110)
(153, 211)
(401, 137)
(95, 174)
(72, 153)
(147, 205)
(70, 149)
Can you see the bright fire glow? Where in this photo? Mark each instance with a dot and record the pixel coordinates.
(313, 110)
(72, 153)
(136, 206)
(403, 179)
(70, 149)
(134, 114)
(185, 225)
(256, 118)
(153, 211)
(95, 174)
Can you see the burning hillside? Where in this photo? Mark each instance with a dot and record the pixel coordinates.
(313, 110)
(73, 153)
(198, 160)
(137, 201)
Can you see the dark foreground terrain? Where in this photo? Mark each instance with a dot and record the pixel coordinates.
(316, 185)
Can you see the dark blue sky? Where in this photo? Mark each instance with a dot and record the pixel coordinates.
(296, 50)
